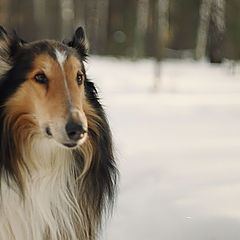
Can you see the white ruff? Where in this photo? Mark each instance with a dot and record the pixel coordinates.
(50, 199)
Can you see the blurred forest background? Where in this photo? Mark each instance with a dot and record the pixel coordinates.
(133, 28)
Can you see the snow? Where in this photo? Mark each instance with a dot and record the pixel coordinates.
(178, 149)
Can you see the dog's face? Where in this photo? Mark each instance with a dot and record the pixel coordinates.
(50, 91)
(55, 86)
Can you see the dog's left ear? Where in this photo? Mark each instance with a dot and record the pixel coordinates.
(79, 42)
(9, 46)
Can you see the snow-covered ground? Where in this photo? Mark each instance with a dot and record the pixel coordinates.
(178, 149)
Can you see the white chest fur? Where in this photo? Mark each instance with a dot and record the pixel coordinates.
(50, 204)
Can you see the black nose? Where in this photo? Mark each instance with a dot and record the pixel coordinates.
(74, 130)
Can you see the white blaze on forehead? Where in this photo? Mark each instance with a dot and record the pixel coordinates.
(61, 58)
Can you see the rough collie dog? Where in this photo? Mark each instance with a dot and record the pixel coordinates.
(57, 171)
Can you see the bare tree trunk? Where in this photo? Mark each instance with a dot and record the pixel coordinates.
(162, 37)
(39, 7)
(22, 19)
(4, 13)
(151, 30)
(39, 12)
(163, 27)
(67, 14)
(217, 29)
(53, 20)
(91, 21)
(102, 25)
(79, 13)
(205, 11)
(141, 27)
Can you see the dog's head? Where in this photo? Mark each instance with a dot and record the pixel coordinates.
(44, 83)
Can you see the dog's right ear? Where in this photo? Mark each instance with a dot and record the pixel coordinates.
(9, 46)
(79, 42)
(5, 60)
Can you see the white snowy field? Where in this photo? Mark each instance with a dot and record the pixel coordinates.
(178, 149)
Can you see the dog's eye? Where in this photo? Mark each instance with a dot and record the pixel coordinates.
(79, 78)
(41, 78)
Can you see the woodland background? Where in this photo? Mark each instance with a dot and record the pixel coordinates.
(178, 146)
(134, 28)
